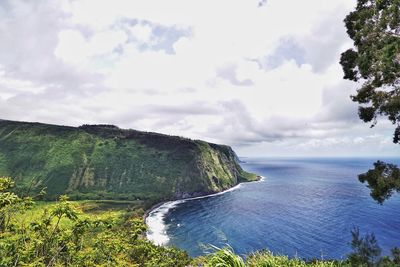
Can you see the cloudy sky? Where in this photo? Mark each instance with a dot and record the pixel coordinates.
(260, 76)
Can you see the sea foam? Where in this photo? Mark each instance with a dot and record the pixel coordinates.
(157, 230)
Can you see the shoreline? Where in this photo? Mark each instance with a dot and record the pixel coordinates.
(159, 204)
(152, 208)
(173, 203)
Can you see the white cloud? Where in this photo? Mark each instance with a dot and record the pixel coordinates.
(74, 48)
(237, 72)
(142, 32)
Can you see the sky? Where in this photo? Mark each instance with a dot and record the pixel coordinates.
(261, 76)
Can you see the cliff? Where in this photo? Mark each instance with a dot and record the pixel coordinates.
(106, 162)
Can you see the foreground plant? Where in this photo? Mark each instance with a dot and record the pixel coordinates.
(64, 236)
(267, 259)
(224, 258)
(61, 234)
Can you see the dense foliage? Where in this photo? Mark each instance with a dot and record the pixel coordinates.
(383, 179)
(267, 259)
(61, 235)
(374, 26)
(84, 233)
(224, 258)
(105, 162)
(365, 253)
(365, 249)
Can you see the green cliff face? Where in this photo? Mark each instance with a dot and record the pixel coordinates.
(104, 161)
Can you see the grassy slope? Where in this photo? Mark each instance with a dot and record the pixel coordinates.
(121, 211)
(108, 162)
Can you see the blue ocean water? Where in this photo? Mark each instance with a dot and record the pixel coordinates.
(303, 207)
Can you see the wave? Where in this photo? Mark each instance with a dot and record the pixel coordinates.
(157, 230)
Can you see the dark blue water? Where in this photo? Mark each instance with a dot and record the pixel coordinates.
(304, 208)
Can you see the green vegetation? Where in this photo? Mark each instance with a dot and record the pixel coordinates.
(365, 254)
(375, 29)
(383, 179)
(224, 258)
(374, 26)
(365, 249)
(111, 233)
(105, 162)
(60, 234)
(267, 259)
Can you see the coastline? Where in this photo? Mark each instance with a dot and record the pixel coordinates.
(161, 208)
(152, 208)
(159, 204)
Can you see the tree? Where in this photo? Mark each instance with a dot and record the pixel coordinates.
(374, 26)
(366, 250)
(374, 61)
(396, 255)
(383, 180)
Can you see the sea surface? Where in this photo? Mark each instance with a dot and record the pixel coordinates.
(302, 207)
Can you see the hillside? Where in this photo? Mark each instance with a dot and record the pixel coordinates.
(105, 162)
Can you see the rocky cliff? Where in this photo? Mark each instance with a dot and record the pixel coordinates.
(106, 162)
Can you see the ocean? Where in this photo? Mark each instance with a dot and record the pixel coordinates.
(303, 207)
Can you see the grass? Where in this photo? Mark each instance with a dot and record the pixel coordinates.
(267, 259)
(224, 258)
(227, 258)
(87, 209)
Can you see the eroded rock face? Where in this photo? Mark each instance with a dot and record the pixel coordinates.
(104, 161)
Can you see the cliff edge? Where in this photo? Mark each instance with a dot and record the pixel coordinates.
(106, 162)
